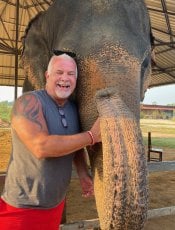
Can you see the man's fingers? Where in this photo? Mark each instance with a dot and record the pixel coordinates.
(88, 193)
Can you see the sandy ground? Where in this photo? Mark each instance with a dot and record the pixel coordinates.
(79, 208)
(161, 187)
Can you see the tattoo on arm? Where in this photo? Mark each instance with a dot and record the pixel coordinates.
(28, 106)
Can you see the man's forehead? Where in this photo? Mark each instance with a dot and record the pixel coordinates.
(62, 61)
(65, 64)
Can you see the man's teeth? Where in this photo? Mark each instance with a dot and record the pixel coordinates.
(64, 86)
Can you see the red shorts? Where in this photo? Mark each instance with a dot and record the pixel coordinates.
(30, 219)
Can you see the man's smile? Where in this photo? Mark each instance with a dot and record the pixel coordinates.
(63, 85)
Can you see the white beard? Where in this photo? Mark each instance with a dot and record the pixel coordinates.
(63, 95)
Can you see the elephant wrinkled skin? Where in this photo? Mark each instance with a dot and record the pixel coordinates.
(112, 42)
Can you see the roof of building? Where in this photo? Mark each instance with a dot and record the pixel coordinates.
(157, 107)
(15, 15)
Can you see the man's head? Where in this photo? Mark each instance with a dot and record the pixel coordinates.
(61, 76)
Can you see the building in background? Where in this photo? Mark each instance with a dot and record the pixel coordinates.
(157, 111)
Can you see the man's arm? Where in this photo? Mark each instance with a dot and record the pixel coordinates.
(30, 125)
(80, 161)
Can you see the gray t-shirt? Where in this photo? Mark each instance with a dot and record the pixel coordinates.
(35, 183)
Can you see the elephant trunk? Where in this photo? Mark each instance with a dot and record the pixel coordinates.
(122, 198)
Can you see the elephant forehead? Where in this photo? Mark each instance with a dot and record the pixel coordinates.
(95, 22)
(111, 59)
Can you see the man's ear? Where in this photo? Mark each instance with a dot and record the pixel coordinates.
(46, 75)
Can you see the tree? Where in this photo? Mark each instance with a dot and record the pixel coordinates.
(5, 110)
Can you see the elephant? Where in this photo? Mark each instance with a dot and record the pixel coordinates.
(111, 40)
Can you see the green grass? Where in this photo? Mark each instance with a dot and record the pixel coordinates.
(163, 132)
(161, 142)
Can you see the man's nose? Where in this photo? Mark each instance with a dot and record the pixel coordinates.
(65, 76)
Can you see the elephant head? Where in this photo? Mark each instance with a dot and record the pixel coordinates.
(112, 42)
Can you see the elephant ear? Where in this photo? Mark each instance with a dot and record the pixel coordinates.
(145, 75)
(146, 65)
(35, 54)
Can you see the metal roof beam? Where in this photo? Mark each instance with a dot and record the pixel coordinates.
(3, 76)
(13, 23)
(162, 70)
(5, 47)
(167, 19)
(161, 43)
(160, 11)
(164, 51)
(166, 70)
(6, 30)
(164, 32)
(27, 6)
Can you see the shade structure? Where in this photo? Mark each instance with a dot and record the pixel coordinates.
(162, 17)
(16, 14)
(14, 18)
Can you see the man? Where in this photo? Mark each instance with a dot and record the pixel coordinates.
(45, 137)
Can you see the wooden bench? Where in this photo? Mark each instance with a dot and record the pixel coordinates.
(155, 151)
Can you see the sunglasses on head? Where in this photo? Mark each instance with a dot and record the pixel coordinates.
(60, 52)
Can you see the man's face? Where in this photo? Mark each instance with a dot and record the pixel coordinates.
(61, 78)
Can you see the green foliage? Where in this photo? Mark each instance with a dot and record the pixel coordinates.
(5, 110)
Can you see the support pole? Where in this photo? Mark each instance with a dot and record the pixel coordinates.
(16, 48)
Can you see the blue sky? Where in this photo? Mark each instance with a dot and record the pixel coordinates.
(162, 95)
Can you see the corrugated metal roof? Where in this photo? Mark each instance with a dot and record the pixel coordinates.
(15, 16)
(162, 17)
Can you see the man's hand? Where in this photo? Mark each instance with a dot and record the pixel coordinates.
(87, 186)
(80, 161)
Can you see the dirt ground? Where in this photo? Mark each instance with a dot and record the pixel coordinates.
(161, 190)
